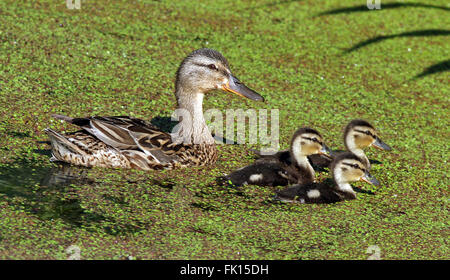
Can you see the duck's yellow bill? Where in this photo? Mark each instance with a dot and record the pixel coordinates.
(236, 87)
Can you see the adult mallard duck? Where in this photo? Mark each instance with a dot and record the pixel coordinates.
(346, 168)
(133, 143)
(290, 167)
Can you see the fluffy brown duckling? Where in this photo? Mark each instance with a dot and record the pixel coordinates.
(358, 135)
(291, 167)
(346, 168)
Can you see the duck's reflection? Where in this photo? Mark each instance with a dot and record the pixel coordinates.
(66, 174)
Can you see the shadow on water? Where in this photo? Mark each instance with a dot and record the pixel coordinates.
(274, 3)
(387, 6)
(435, 68)
(417, 33)
(360, 190)
(42, 191)
(18, 134)
(166, 124)
(374, 161)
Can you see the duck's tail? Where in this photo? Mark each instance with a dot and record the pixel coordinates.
(61, 146)
(63, 118)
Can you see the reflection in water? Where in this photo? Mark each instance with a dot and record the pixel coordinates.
(43, 192)
(40, 190)
(17, 180)
(64, 175)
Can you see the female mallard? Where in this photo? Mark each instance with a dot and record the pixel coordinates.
(133, 143)
(346, 168)
(290, 167)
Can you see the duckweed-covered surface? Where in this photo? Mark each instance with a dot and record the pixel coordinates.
(321, 63)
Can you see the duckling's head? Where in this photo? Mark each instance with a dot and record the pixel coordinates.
(347, 168)
(205, 70)
(307, 141)
(360, 134)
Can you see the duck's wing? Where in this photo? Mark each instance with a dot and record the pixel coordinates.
(321, 161)
(135, 136)
(81, 148)
(283, 156)
(261, 154)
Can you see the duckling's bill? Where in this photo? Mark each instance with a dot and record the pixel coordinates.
(235, 86)
(325, 151)
(381, 145)
(368, 178)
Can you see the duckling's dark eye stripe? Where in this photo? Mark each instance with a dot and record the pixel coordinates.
(312, 139)
(365, 132)
(354, 166)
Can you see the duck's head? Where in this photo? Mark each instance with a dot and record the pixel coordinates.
(307, 141)
(205, 70)
(360, 134)
(347, 168)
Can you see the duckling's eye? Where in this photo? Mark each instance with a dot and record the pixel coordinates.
(213, 67)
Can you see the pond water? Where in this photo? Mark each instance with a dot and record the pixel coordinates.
(40, 190)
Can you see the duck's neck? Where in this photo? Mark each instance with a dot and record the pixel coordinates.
(360, 153)
(192, 127)
(351, 147)
(302, 162)
(343, 186)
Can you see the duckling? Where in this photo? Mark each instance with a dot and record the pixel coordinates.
(288, 168)
(358, 135)
(127, 142)
(346, 168)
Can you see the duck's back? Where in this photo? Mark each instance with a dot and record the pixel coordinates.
(260, 173)
(310, 193)
(317, 161)
(275, 170)
(125, 142)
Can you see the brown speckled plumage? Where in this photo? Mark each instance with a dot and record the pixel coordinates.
(151, 150)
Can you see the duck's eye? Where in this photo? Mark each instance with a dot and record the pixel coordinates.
(213, 67)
